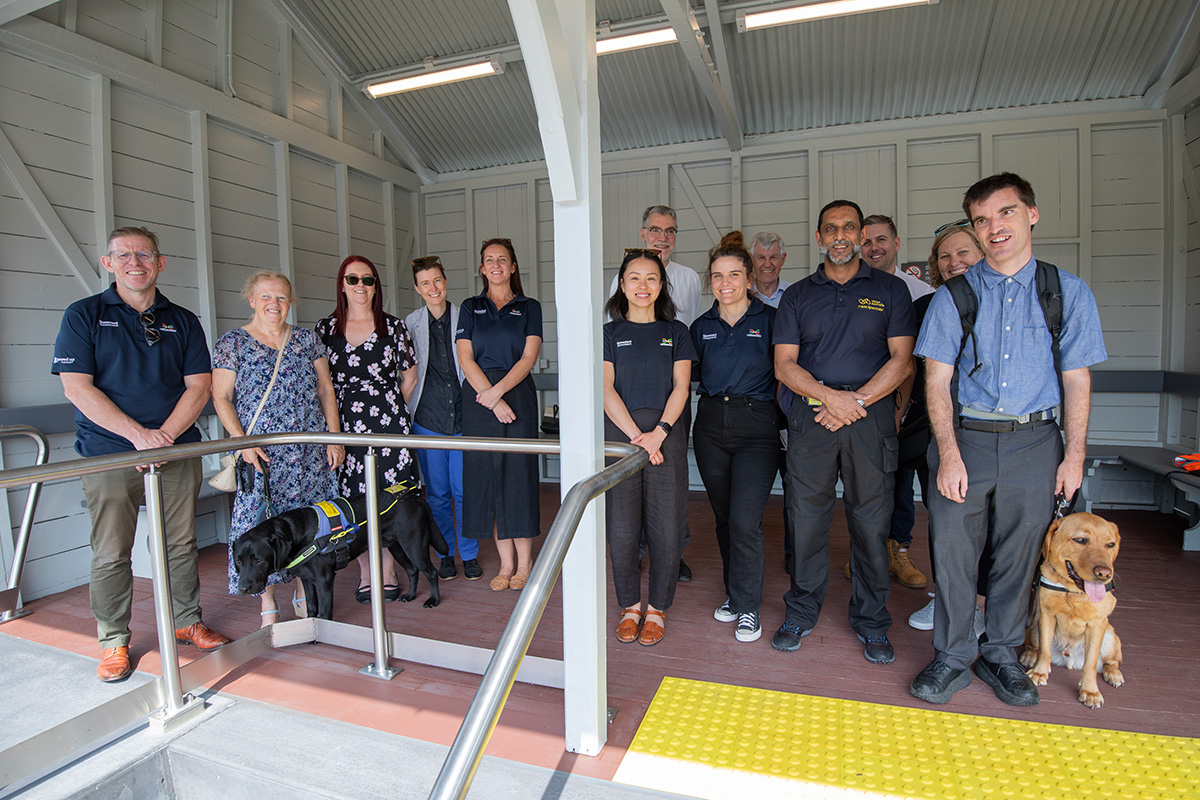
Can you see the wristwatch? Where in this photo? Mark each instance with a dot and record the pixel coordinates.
(666, 426)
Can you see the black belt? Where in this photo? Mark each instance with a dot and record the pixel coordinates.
(1034, 420)
(732, 398)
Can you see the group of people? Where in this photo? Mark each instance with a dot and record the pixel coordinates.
(815, 381)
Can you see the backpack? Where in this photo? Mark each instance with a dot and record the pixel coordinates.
(1049, 294)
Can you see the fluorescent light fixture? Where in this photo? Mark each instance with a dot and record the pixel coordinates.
(632, 41)
(748, 20)
(432, 77)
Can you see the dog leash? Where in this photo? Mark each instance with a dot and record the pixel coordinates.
(1189, 462)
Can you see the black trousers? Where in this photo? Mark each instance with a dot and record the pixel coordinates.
(655, 500)
(1009, 505)
(865, 455)
(737, 444)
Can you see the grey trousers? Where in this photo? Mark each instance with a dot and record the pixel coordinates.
(113, 498)
(1009, 505)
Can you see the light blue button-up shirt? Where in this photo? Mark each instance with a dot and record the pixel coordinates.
(1017, 373)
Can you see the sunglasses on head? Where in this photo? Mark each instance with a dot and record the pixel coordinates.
(352, 280)
(647, 252)
(427, 261)
(958, 223)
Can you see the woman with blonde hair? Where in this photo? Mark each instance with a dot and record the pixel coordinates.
(274, 378)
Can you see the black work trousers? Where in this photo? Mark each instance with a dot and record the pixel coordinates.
(737, 445)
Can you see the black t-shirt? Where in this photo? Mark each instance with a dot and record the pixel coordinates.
(643, 355)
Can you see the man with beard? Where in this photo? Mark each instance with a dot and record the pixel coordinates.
(843, 342)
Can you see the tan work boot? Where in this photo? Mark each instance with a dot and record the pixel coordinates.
(902, 567)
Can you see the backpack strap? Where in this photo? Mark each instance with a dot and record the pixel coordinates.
(1049, 292)
(968, 309)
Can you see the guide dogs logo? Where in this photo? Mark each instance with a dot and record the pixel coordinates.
(870, 304)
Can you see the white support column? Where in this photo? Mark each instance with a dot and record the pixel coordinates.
(201, 203)
(283, 207)
(559, 46)
(102, 193)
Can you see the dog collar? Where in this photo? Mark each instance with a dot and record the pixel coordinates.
(1046, 583)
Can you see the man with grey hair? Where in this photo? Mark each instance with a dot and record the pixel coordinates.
(659, 228)
(769, 256)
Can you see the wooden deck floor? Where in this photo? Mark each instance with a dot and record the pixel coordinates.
(1158, 618)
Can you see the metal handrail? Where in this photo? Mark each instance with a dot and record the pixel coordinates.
(10, 598)
(462, 761)
(484, 712)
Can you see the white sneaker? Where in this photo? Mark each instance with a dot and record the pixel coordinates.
(724, 613)
(748, 628)
(980, 627)
(922, 619)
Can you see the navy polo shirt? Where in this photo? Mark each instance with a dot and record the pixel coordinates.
(498, 335)
(643, 355)
(842, 329)
(736, 360)
(103, 337)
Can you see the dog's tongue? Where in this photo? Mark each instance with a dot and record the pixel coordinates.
(1095, 590)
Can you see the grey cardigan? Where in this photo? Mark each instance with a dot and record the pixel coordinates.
(418, 327)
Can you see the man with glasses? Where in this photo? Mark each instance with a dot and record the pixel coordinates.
(659, 228)
(136, 368)
(999, 457)
(843, 343)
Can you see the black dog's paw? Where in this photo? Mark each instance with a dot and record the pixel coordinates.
(431, 602)
(405, 598)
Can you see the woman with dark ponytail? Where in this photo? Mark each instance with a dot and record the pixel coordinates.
(735, 436)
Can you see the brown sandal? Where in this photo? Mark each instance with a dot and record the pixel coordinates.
(627, 629)
(652, 630)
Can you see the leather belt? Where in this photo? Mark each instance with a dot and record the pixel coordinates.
(1034, 420)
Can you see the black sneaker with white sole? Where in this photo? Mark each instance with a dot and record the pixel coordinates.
(724, 613)
(748, 628)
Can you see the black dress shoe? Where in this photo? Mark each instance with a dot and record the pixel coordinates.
(938, 682)
(447, 571)
(685, 572)
(1009, 681)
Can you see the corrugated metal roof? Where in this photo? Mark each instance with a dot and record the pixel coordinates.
(956, 56)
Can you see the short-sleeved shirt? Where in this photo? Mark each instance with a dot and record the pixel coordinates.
(643, 355)
(104, 337)
(736, 359)
(1017, 373)
(498, 335)
(843, 329)
(773, 300)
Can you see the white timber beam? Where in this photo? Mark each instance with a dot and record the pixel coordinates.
(1184, 95)
(51, 223)
(391, 269)
(341, 186)
(1182, 57)
(53, 45)
(102, 192)
(283, 209)
(693, 193)
(562, 33)
(201, 203)
(546, 56)
(695, 51)
(12, 9)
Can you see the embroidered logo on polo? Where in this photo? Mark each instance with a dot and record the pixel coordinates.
(869, 304)
(708, 336)
(516, 312)
(63, 360)
(667, 341)
(754, 333)
(167, 328)
(481, 311)
(624, 343)
(109, 323)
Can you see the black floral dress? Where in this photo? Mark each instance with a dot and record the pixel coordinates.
(367, 380)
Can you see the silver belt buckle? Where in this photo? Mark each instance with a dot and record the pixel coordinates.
(1023, 419)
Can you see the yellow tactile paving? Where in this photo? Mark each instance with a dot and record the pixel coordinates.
(715, 741)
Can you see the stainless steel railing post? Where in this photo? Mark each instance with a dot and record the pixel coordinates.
(22, 546)
(379, 667)
(163, 611)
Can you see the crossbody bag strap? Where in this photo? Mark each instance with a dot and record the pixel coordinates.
(278, 360)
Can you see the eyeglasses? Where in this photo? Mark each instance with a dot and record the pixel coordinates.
(958, 223)
(352, 280)
(425, 262)
(147, 319)
(125, 258)
(646, 252)
(657, 231)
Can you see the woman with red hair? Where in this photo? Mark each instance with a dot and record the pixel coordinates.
(374, 369)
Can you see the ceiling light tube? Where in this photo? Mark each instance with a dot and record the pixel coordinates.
(425, 78)
(633, 41)
(749, 19)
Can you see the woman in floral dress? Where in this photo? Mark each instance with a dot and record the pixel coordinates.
(374, 370)
(302, 399)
